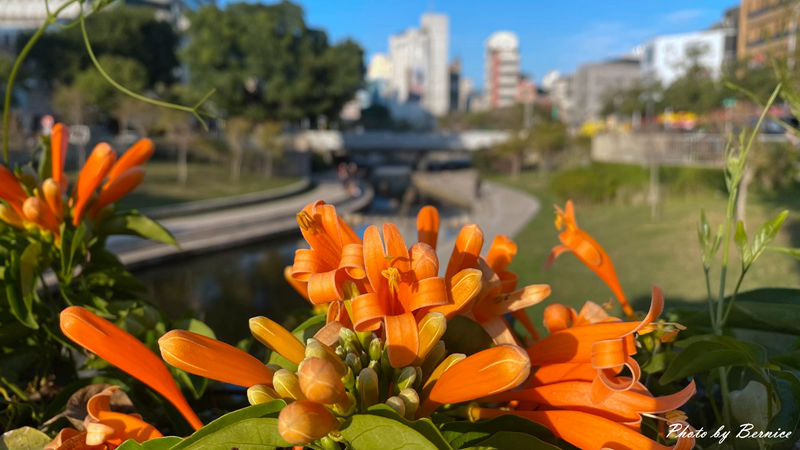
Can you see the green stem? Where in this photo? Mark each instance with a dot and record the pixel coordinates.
(729, 306)
(12, 76)
(710, 298)
(190, 109)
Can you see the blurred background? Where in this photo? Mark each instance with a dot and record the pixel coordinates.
(493, 111)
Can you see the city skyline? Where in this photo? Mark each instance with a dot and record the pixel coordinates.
(546, 43)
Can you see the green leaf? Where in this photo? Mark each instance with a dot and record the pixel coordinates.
(28, 271)
(423, 426)
(162, 443)
(255, 433)
(793, 252)
(196, 326)
(214, 432)
(467, 434)
(466, 336)
(309, 328)
(766, 234)
(369, 432)
(25, 438)
(740, 238)
(706, 352)
(136, 224)
(515, 439)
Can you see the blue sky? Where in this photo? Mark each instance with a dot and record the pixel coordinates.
(553, 35)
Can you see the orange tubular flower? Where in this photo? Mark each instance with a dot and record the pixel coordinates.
(92, 174)
(607, 347)
(59, 138)
(213, 359)
(51, 191)
(497, 295)
(403, 284)
(117, 188)
(588, 251)
(487, 372)
(586, 431)
(38, 212)
(11, 190)
(124, 351)
(138, 154)
(335, 256)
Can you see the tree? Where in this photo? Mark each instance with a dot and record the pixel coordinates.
(121, 31)
(180, 133)
(100, 93)
(267, 64)
(237, 134)
(268, 137)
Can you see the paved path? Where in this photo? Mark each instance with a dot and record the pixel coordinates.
(228, 227)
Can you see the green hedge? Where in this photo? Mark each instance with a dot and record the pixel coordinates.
(600, 182)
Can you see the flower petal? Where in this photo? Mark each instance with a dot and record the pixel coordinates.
(300, 286)
(368, 311)
(428, 225)
(92, 174)
(10, 190)
(124, 426)
(466, 250)
(515, 301)
(213, 359)
(396, 248)
(117, 188)
(427, 293)
(353, 261)
(501, 253)
(402, 340)
(424, 261)
(124, 351)
(465, 286)
(324, 287)
(375, 259)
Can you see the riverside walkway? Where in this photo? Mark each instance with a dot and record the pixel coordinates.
(223, 227)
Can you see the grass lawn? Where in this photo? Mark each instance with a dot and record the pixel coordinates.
(160, 186)
(662, 251)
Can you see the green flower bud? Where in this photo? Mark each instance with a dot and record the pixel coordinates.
(411, 401)
(354, 362)
(431, 329)
(349, 340)
(435, 356)
(340, 351)
(349, 380)
(374, 365)
(316, 349)
(287, 385)
(375, 349)
(328, 444)
(364, 359)
(365, 338)
(367, 384)
(397, 404)
(405, 379)
(261, 393)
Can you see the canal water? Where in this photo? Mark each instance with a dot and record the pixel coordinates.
(224, 289)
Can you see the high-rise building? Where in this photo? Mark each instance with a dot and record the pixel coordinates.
(593, 83)
(454, 72)
(666, 58)
(419, 64)
(767, 28)
(501, 69)
(559, 91)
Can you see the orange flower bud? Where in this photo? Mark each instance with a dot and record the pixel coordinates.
(304, 421)
(424, 262)
(319, 381)
(431, 329)
(52, 196)
(487, 372)
(59, 138)
(464, 289)
(118, 188)
(213, 359)
(558, 317)
(274, 336)
(36, 211)
(92, 174)
(138, 154)
(428, 225)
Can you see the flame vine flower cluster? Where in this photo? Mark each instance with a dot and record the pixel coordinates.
(388, 309)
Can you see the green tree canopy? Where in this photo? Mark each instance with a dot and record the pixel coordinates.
(119, 31)
(266, 63)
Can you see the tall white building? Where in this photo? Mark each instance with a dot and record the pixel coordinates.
(502, 72)
(666, 58)
(419, 64)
